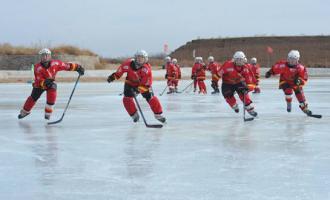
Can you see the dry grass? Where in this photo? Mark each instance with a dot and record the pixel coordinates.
(71, 50)
(8, 49)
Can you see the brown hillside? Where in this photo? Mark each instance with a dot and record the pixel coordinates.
(314, 50)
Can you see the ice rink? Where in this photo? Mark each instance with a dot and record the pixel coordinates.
(205, 151)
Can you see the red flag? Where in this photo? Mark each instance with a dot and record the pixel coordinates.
(269, 50)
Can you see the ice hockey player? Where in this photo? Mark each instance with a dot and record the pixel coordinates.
(198, 75)
(256, 72)
(44, 80)
(214, 67)
(293, 76)
(178, 74)
(138, 80)
(171, 74)
(237, 77)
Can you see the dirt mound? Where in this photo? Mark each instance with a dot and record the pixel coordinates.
(314, 50)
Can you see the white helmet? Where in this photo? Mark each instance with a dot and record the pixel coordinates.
(141, 54)
(239, 58)
(211, 59)
(253, 60)
(174, 61)
(293, 57)
(167, 59)
(45, 51)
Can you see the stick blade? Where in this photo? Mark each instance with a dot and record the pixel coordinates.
(315, 116)
(248, 119)
(55, 122)
(154, 125)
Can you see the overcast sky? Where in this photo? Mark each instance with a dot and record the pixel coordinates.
(114, 28)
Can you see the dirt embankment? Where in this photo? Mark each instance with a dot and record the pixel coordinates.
(314, 50)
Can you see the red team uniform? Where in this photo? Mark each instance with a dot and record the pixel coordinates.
(240, 79)
(44, 80)
(214, 68)
(171, 75)
(178, 74)
(138, 80)
(255, 67)
(293, 76)
(198, 75)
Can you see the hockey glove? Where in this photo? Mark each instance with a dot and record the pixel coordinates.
(243, 88)
(49, 83)
(80, 70)
(111, 78)
(298, 82)
(143, 89)
(268, 74)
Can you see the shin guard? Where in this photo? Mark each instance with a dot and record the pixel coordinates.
(231, 101)
(129, 105)
(29, 103)
(155, 105)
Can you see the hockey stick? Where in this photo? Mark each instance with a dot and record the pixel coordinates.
(67, 105)
(145, 122)
(244, 118)
(163, 91)
(310, 114)
(187, 86)
(315, 115)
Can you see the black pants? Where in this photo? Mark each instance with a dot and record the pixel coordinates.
(228, 90)
(36, 93)
(130, 91)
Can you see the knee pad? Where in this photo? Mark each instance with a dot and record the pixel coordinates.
(287, 91)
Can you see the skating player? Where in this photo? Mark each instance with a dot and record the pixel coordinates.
(138, 80)
(256, 72)
(198, 75)
(44, 80)
(178, 74)
(171, 74)
(214, 67)
(293, 76)
(237, 77)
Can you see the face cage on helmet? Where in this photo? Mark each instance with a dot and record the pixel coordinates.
(293, 61)
(137, 59)
(45, 57)
(240, 61)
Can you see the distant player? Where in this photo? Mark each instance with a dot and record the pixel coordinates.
(44, 80)
(293, 76)
(214, 67)
(177, 75)
(198, 75)
(138, 80)
(237, 77)
(171, 74)
(256, 72)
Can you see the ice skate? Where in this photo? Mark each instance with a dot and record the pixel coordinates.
(135, 117)
(160, 118)
(23, 113)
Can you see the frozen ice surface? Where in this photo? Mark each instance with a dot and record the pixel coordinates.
(205, 151)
